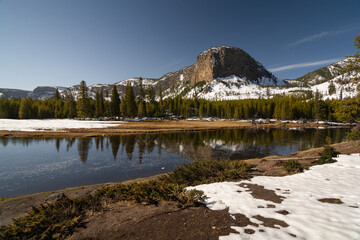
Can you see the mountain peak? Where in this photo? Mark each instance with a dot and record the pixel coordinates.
(217, 49)
(224, 61)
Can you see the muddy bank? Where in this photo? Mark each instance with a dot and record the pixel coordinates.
(161, 126)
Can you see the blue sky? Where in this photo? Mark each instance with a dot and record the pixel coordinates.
(61, 42)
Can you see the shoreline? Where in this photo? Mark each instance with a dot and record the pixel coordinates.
(167, 126)
(12, 208)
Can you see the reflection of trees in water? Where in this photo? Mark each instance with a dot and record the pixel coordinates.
(115, 144)
(130, 145)
(4, 141)
(99, 143)
(69, 143)
(159, 144)
(248, 142)
(141, 145)
(150, 141)
(84, 145)
(57, 143)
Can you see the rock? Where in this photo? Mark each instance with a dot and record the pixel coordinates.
(220, 62)
(54, 197)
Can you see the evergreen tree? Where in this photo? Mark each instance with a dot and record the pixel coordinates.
(201, 111)
(69, 106)
(141, 103)
(332, 88)
(161, 104)
(141, 109)
(99, 104)
(131, 107)
(27, 109)
(151, 106)
(123, 109)
(83, 102)
(115, 103)
(58, 108)
(237, 113)
(354, 60)
(151, 94)
(160, 93)
(141, 91)
(56, 95)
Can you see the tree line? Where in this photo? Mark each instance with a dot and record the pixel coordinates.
(150, 104)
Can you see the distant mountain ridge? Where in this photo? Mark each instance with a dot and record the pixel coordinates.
(221, 73)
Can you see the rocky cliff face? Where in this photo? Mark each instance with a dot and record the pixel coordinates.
(221, 62)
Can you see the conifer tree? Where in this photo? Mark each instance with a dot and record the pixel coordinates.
(354, 60)
(26, 109)
(151, 106)
(332, 88)
(99, 104)
(97, 101)
(131, 107)
(123, 110)
(4, 108)
(201, 111)
(141, 91)
(69, 106)
(83, 102)
(141, 109)
(115, 102)
(56, 95)
(58, 108)
(161, 104)
(141, 100)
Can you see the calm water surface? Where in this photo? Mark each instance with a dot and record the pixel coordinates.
(30, 165)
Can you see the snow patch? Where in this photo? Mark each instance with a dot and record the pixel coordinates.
(308, 218)
(52, 124)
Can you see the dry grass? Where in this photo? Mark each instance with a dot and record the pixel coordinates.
(162, 126)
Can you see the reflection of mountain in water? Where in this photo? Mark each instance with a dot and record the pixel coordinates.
(198, 146)
(216, 150)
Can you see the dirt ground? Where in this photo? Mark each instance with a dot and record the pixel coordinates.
(157, 127)
(167, 221)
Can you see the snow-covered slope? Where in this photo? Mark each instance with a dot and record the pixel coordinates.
(319, 80)
(45, 92)
(233, 87)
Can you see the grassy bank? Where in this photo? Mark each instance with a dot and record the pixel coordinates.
(159, 126)
(57, 220)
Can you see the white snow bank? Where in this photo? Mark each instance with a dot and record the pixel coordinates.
(308, 218)
(52, 125)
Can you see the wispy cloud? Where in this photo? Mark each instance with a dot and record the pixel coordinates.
(321, 35)
(305, 64)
